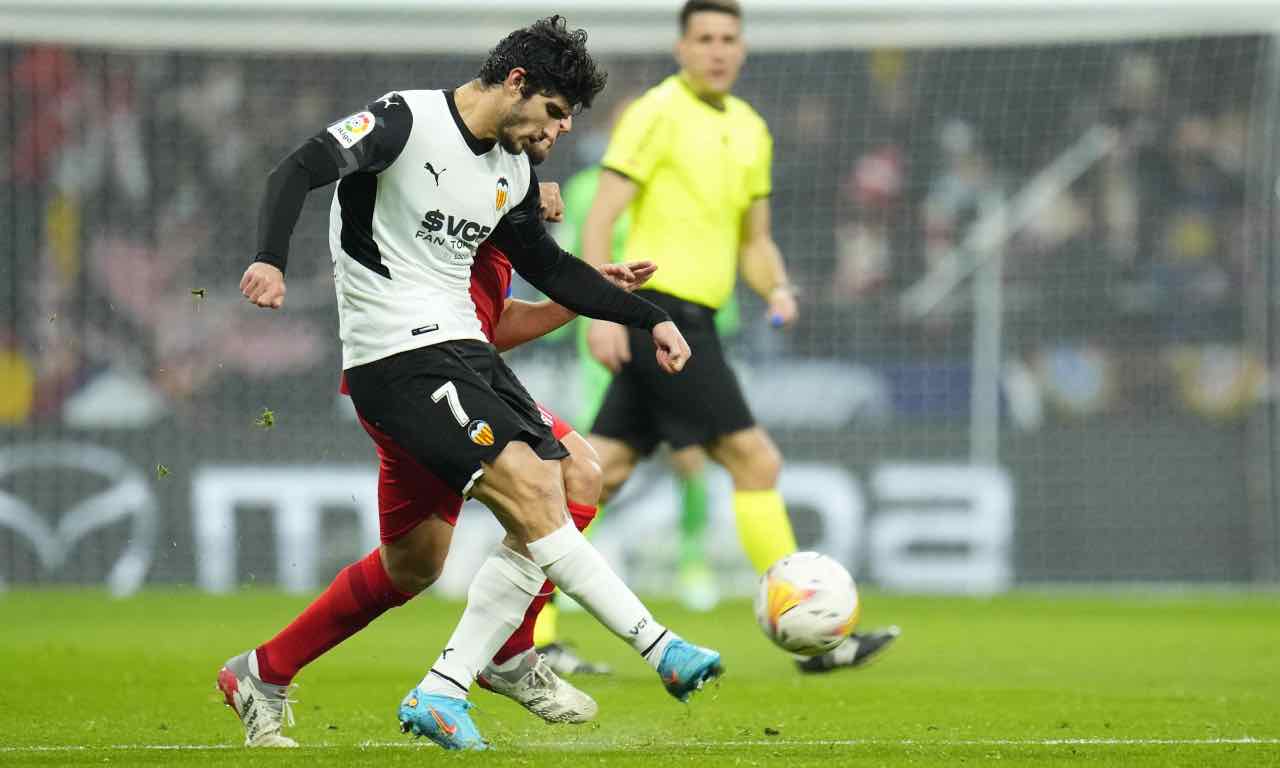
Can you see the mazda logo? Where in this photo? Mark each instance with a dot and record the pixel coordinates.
(126, 497)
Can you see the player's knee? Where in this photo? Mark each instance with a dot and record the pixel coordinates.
(612, 476)
(411, 572)
(583, 479)
(415, 577)
(767, 465)
(753, 461)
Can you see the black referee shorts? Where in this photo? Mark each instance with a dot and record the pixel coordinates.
(452, 406)
(645, 406)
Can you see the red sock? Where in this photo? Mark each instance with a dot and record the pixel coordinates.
(522, 639)
(582, 514)
(360, 593)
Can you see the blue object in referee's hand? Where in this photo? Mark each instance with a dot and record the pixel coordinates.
(775, 320)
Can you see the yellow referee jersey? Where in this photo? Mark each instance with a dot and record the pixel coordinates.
(698, 169)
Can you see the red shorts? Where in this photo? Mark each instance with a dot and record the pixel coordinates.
(409, 493)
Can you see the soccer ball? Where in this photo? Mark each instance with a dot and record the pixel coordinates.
(807, 603)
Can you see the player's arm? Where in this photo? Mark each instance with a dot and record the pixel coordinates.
(524, 321)
(575, 285)
(345, 147)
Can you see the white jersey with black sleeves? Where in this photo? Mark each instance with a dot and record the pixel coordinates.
(418, 194)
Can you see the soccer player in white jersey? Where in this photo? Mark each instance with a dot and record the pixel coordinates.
(425, 177)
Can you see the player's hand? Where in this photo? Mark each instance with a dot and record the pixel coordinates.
(552, 206)
(673, 351)
(783, 309)
(263, 285)
(629, 276)
(609, 344)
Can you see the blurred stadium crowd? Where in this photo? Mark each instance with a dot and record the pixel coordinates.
(129, 185)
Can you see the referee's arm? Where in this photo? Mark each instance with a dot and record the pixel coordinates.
(762, 266)
(606, 341)
(613, 194)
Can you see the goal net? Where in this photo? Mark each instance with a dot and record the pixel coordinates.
(1034, 243)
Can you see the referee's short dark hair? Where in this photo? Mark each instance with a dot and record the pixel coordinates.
(554, 58)
(691, 7)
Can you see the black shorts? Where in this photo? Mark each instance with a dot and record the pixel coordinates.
(453, 406)
(645, 406)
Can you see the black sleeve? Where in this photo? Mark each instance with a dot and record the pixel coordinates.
(567, 280)
(368, 141)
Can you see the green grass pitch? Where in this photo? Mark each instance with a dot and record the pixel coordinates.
(1032, 678)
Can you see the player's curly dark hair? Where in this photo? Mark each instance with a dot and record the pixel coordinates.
(555, 60)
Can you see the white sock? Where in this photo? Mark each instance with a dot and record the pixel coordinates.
(579, 571)
(510, 664)
(496, 603)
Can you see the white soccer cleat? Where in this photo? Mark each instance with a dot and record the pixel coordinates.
(537, 688)
(263, 708)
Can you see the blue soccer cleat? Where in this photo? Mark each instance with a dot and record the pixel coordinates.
(686, 667)
(442, 719)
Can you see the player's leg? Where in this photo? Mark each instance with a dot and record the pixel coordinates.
(518, 671)
(443, 404)
(525, 492)
(425, 399)
(594, 381)
(581, 471)
(618, 460)
(694, 579)
(754, 462)
(764, 528)
(578, 470)
(416, 517)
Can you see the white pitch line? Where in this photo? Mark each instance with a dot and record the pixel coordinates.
(771, 743)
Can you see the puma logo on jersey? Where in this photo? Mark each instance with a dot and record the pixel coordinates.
(432, 171)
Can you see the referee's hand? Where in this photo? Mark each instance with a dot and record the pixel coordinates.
(608, 343)
(263, 285)
(673, 350)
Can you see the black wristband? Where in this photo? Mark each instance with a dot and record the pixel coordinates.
(662, 317)
(270, 258)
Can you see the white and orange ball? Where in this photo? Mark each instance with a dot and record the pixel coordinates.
(807, 603)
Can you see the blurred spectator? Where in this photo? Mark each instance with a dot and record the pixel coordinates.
(1186, 267)
(873, 193)
(1131, 175)
(956, 195)
(863, 241)
(17, 382)
(180, 332)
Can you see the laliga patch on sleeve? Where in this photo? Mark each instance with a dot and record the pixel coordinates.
(350, 130)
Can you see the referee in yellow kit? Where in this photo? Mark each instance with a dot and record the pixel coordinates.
(692, 163)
